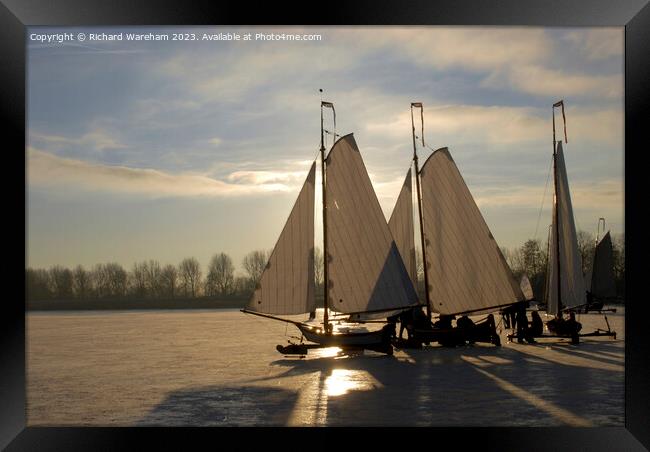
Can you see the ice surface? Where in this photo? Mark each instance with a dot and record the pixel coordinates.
(220, 367)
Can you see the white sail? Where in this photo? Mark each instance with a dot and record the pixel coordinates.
(401, 227)
(602, 273)
(572, 285)
(287, 283)
(365, 270)
(465, 267)
(526, 288)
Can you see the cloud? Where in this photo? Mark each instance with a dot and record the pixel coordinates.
(597, 44)
(98, 139)
(475, 123)
(216, 141)
(605, 195)
(537, 80)
(267, 177)
(509, 58)
(476, 48)
(249, 66)
(48, 170)
(161, 113)
(387, 192)
(482, 50)
(60, 48)
(502, 126)
(261, 79)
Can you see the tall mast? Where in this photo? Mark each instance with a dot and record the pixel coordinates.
(417, 182)
(557, 209)
(324, 178)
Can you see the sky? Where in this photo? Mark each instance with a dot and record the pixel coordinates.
(164, 150)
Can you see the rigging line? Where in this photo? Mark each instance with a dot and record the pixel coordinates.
(315, 156)
(539, 217)
(498, 325)
(429, 147)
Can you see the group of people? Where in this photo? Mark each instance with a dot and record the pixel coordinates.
(465, 330)
(564, 327)
(515, 317)
(409, 320)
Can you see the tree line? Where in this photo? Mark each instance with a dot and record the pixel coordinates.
(150, 279)
(531, 259)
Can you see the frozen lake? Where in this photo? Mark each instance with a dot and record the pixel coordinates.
(220, 367)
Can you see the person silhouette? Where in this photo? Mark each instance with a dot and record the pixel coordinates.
(522, 324)
(444, 322)
(536, 325)
(572, 326)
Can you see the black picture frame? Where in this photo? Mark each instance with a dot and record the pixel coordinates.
(634, 15)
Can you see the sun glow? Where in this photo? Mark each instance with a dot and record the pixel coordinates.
(328, 352)
(341, 381)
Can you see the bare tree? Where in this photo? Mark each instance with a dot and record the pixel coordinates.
(532, 257)
(586, 247)
(618, 255)
(80, 282)
(220, 277)
(254, 264)
(38, 284)
(138, 279)
(190, 276)
(99, 279)
(318, 268)
(61, 282)
(243, 285)
(516, 261)
(152, 273)
(169, 280)
(117, 279)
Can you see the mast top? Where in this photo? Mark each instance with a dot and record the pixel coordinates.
(559, 103)
(322, 130)
(328, 105)
(417, 105)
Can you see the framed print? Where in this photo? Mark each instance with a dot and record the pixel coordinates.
(228, 210)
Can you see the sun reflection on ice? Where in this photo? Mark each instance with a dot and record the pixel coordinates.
(341, 381)
(311, 409)
(328, 352)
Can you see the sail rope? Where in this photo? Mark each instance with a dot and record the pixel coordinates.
(429, 147)
(498, 325)
(541, 208)
(315, 156)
